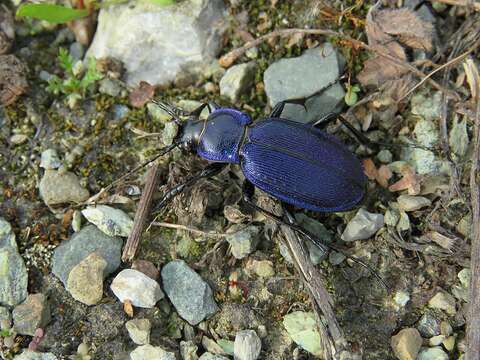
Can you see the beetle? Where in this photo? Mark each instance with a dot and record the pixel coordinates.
(299, 164)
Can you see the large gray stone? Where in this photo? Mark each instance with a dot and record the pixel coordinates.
(85, 242)
(7, 236)
(32, 314)
(304, 76)
(13, 277)
(191, 296)
(156, 42)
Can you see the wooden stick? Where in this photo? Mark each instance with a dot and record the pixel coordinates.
(473, 315)
(141, 215)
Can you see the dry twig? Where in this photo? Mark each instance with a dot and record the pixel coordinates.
(471, 4)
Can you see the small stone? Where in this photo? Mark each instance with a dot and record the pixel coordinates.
(109, 87)
(427, 106)
(336, 258)
(237, 80)
(76, 50)
(465, 277)
(464, 226)
(401, 298)
(436, 340)
(85, 281)
(13, 277)
(212, 346)
(403, 222)
(247, 345)
(77, 220)
(7, 236)
(302, 328)
(209, 356)
(18, 139)
(5, 316)
(139, 331)
(362, 226)
(428, 325)
(227, 346)
(316, 254)
(434, 353)
(426, 133)
(149, 352)
(35, 355)
(243, 241)
(189, 294)
(285, 252)
(262, 331)
(446, 328)
(137, 287)
(61, 187)
(263, 268)
(443, 301)
(188, 350)
(449, 343)
(169, 133)
(147, 268)
(385, 156)
(157, 113)
(82, 244)
(406, 344)
(113, 222)
(412, 203)
(458, 138)
(30, 315)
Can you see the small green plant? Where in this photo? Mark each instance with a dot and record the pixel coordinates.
(73, 82)
(351, 97)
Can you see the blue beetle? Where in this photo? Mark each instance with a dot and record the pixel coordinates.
(296, 163)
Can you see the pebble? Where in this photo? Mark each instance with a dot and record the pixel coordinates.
(137, 287)
(462, 291)
(210, 356)
(426, 133)
(18, 139)
(169, 133)
(139, 331)
(449, 343)
(83, 243)
(427, 106)
(303, 76)
(188, 350)
(5, 316)
(262, 268)
(149, 352)
(242, 242)
(85, 281)
(109, 87)
(147, 268)
(7, 236)
(406, 344)
(247, 345)
(227, 346)
(58, 187)
(336, 258)
(401, 298)
(315, 227)
(458, 138)
(157, 113)
(385, 156)
(446, 328)
(428, 325)
(14, 279)
(434, 353)
(412, 203)
(362, 226)
(212, 346)
(187, 34)
(77, 221)
(302, 328)
(443, 301)
(30, 315)
(34, 355)
(237, 80)
(436, 340)
(113, 222)
(190, 295)
(76, 50)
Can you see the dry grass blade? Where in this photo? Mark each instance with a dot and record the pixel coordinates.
(471, 73)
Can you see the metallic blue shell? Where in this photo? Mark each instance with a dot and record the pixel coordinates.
(302, 166)
(220, 140)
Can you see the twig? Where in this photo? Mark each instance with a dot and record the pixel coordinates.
(229, 58)
(473, 317)
(471, 4)
(187, 228)
(141, 215)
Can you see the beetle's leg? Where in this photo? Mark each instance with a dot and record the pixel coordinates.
(278, 108)
(212, 105)
(324, 120)
(196, 112)
(209, 171)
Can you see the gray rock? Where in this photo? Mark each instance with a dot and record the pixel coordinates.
(169, 133)
(77, 221)
(412, 203)
(362, 226)
(146, 267)
(244, 241)
(18, 139)
(77, 50)
(7, 236)
(188, 350)
(302, 77)
(34, 355)
(428, 325)
(247, 345)
(426, 133)
(61, 187)
(209, 356)
(434, 353)
(336, 258)
(458, 138)
(191, 296)
(83, 243)
(113, 222)
(85, 281)
(30, 315)
(137, 287)
(5, 315)
(427, 106)
(285, 252)
(302, 328)
(385, 156)
(14, 279)
(158, 113)
(212, 346)
(262, 268)
(406, 344)
(139, 330)
(237, 81)
(423, 12)
(423, 161)
(401, 298)
(149, 352)
(162, 40)
(109, 87)
(318, 229)
(443, 301)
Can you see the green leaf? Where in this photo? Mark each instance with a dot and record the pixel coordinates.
(66, 61)
(351, 97)
(52, 13)
(162, 2)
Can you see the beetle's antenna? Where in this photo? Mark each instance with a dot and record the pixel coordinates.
(174, 112)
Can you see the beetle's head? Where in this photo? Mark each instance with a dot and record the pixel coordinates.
(189, 135)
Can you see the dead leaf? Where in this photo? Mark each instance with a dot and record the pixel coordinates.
(141, 94)
(473, 79)
(295, 39)
(128, 307)
(410, 181)
(369, 169)
(383, 175)
(440, 239)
